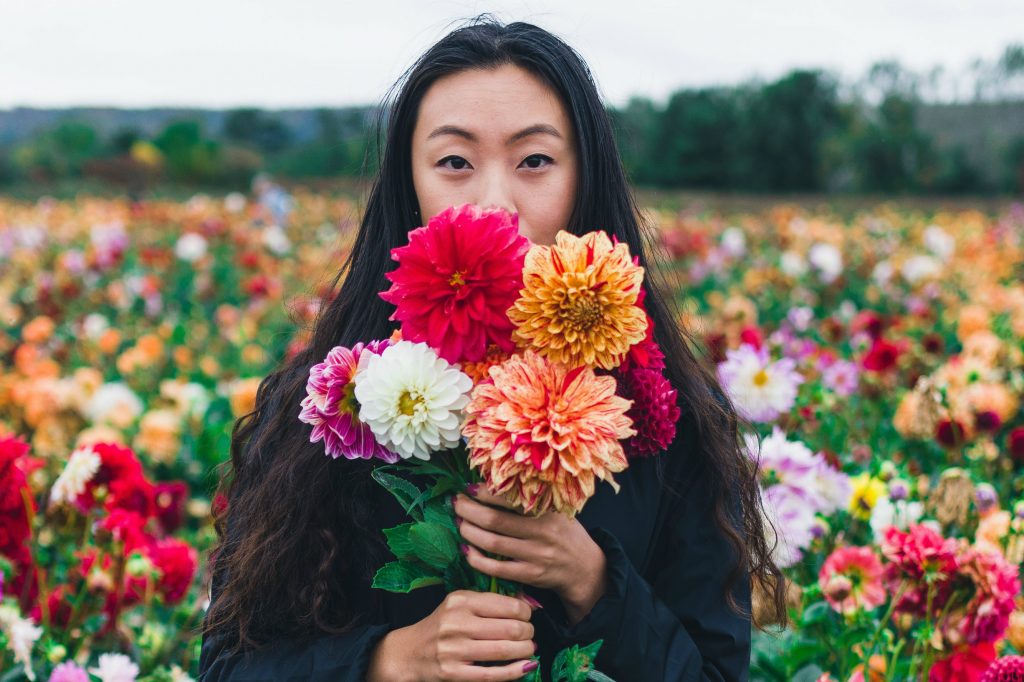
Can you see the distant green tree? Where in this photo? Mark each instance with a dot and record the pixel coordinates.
(784, 132)
(189, 157)
(256, 128)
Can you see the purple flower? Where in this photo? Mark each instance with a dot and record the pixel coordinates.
(68, 672)
(331, 407)
(841, 377)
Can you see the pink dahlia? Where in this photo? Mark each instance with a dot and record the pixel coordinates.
(654, 412)
(965, 664)
(916, 556)
(331, 407)
(995, 585)
(455, 280)
(68, 672)
(1005, 669)
(851, 579)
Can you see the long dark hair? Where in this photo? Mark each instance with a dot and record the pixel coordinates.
(299, 529)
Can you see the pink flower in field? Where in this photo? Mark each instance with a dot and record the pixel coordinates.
(331, 407)
(851, 579)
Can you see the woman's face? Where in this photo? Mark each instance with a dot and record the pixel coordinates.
(496, 137)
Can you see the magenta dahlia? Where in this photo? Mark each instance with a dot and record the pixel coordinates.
(1005, 669)
(331, 407)
(456, 279)
(654, 411)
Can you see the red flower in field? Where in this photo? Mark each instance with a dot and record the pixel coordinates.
(950, 433)
(121, 476)
(176, 562)
(1015, 444)
(456, 279)
(752, 336)
(869, 322)
(15, 502)
(851, 579)
(913, 554)
(882, 355)
(995, 585)
(169, 499)
(965, 665)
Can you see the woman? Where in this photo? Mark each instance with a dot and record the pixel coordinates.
(661, 571)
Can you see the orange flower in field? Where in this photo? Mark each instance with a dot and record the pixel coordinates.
(578, 302)
(541, 434)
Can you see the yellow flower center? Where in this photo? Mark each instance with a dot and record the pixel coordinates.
(583, 310)
(407, 403)
(457, 279)
(348, 403)
(761, 378)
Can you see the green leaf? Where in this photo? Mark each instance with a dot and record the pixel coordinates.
(404, 491)
(398, 541)
(402, 576)
(433, 544)
(440, 511)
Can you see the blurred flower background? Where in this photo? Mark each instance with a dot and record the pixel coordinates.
(848, 254)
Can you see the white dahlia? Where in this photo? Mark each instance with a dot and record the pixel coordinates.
(81, 467)
(412, 399)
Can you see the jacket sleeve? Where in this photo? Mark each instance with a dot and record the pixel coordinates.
(675, 626)
(338, 658)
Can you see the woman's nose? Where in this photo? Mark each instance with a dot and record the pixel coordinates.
(495, 194)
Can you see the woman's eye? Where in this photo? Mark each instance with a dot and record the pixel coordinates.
(456, 159)
(534, 160)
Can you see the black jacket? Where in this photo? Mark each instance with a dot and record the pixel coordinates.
(663, 618)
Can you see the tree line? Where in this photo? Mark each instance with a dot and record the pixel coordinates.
(803, 132)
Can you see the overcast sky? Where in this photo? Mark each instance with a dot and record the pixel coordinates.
(226, 53)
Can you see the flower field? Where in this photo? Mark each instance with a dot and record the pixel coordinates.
(878, 355)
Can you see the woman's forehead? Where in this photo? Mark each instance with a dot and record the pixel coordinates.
(505, 104)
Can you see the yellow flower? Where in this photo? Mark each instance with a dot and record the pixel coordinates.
(578, 302)
(866, 492)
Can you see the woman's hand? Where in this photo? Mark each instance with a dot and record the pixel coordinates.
(550, 551)
(466, 627)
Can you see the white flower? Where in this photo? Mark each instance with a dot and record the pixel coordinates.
(179, 675)
(275, 239)
(761, 389)
(920, 267)
(94, 325)
(793, 264)
(234, 202)
(21, 635)
(113, 401)
(887, 513)
(190, 247)
(939, 242)
(734, 242)
(882, 272)
(827, 260)
(412, 399)
(115, 668)
(81, 467)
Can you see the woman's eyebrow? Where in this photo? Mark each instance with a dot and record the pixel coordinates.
(535, 129)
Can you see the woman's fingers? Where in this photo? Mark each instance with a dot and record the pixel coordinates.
(506, 569)
(499, 673)
(496, 649)
(493, 542)
(497, 520)
(492, 605)
(500, 628)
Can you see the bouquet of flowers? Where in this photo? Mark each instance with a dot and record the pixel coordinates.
(529, 369)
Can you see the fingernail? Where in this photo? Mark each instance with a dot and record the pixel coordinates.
(458, 522)
(465, 549)
(530, 665)
(472, 489)
(535, 647)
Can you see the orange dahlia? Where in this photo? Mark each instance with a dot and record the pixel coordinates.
(578, 305)
(540, 434)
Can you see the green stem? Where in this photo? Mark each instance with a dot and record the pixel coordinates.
(885, 619)
(494, 584)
